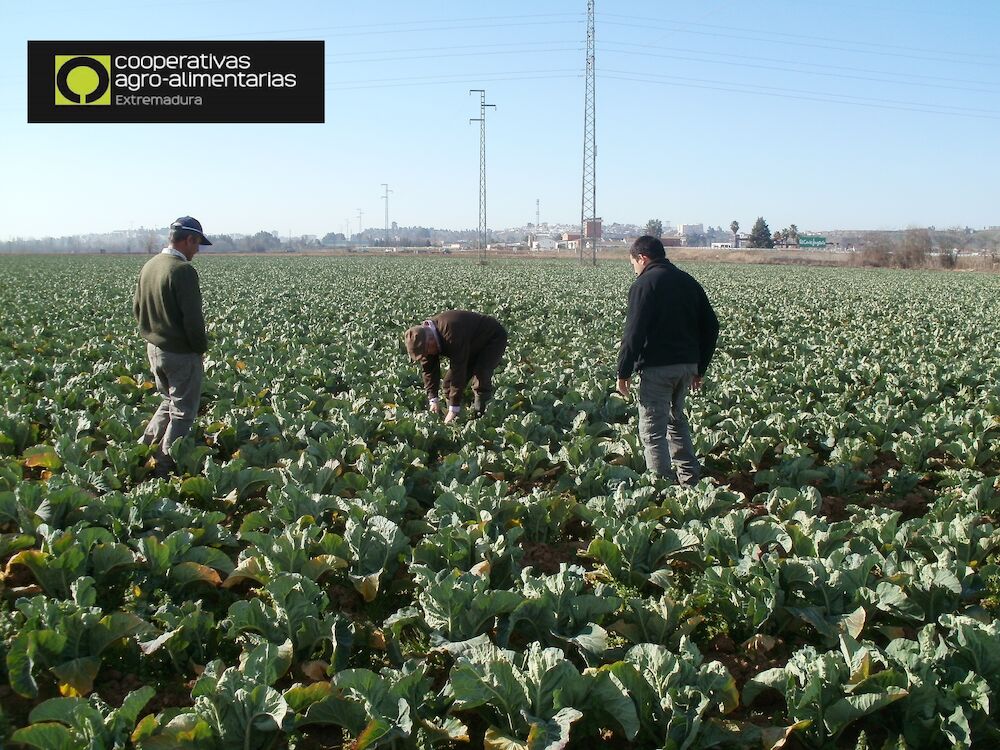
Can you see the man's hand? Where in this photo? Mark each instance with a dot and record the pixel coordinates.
(623, 387)
(450, 416)
(696, 382)
(435, 407)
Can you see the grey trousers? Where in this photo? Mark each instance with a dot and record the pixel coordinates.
(663, 425)
(178, 380)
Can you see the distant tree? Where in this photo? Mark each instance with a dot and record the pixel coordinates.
(915, 248)
(223, 243)
(696, 239)
(263, 242)
(779, 238)
(877, 250)
(792, 234)
(331, 237)
(735, 229)
(654, 228)
(760, 235)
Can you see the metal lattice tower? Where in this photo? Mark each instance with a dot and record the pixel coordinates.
(385, 197)
(482, 169)
(588, 207)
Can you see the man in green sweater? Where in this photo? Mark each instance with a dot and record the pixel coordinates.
(167, 307)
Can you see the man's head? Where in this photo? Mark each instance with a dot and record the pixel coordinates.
(420, 342)
(645, 250)
(186, 236)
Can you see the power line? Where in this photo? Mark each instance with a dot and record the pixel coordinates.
(811, 45)
(408, 27)
(814, 93)
(742, 88)
(457, 46)
(798, 36)
(740, 62)
(449, 55)
(456, 78)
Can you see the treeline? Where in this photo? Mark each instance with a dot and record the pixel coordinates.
(149, 242)
(918, 248)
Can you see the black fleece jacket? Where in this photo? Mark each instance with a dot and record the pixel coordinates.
(670, 321)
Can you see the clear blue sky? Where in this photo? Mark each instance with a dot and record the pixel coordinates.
(854, 114)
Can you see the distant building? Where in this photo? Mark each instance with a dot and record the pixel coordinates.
(667, 241)
(544, 243)
(685, 230)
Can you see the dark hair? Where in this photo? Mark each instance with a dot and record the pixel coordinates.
(649, 246)
(179, 235)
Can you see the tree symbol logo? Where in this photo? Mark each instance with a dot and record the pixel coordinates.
(83, 79)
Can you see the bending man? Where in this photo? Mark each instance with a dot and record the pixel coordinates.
(474, 344)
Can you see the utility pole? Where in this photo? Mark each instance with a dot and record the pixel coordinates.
(482, 168)
(386, 199)
(538, 214)
(360, 216)
(588, 206)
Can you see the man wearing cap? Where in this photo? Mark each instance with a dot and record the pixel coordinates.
(670, 336)
(473, 343)
(167, 307)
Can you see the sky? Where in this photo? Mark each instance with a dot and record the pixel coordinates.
(860, 114)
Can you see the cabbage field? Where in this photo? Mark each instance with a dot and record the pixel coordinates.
(336, 567)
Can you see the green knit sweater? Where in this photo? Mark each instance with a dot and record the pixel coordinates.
(167, 305)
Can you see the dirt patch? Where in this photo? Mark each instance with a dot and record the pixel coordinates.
(546, 558)
(913, 505)
(15, 708)
(880, 467)
(345, 599)
(834, 507)
(741, 483)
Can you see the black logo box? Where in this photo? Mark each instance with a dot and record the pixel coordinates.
(303, 102)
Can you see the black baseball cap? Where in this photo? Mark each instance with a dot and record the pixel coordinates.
(192, 225)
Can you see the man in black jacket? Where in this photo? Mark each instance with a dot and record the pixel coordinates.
(670, 336)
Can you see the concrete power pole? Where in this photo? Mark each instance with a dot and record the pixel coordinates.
(386, 199)
(360, 217)
(588, 208)
(482, 169)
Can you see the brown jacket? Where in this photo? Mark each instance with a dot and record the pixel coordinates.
(462, 335)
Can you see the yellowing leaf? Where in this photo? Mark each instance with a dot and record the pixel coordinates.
(367, 586)
(315, 670)
(43, 456)
(481, 568)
